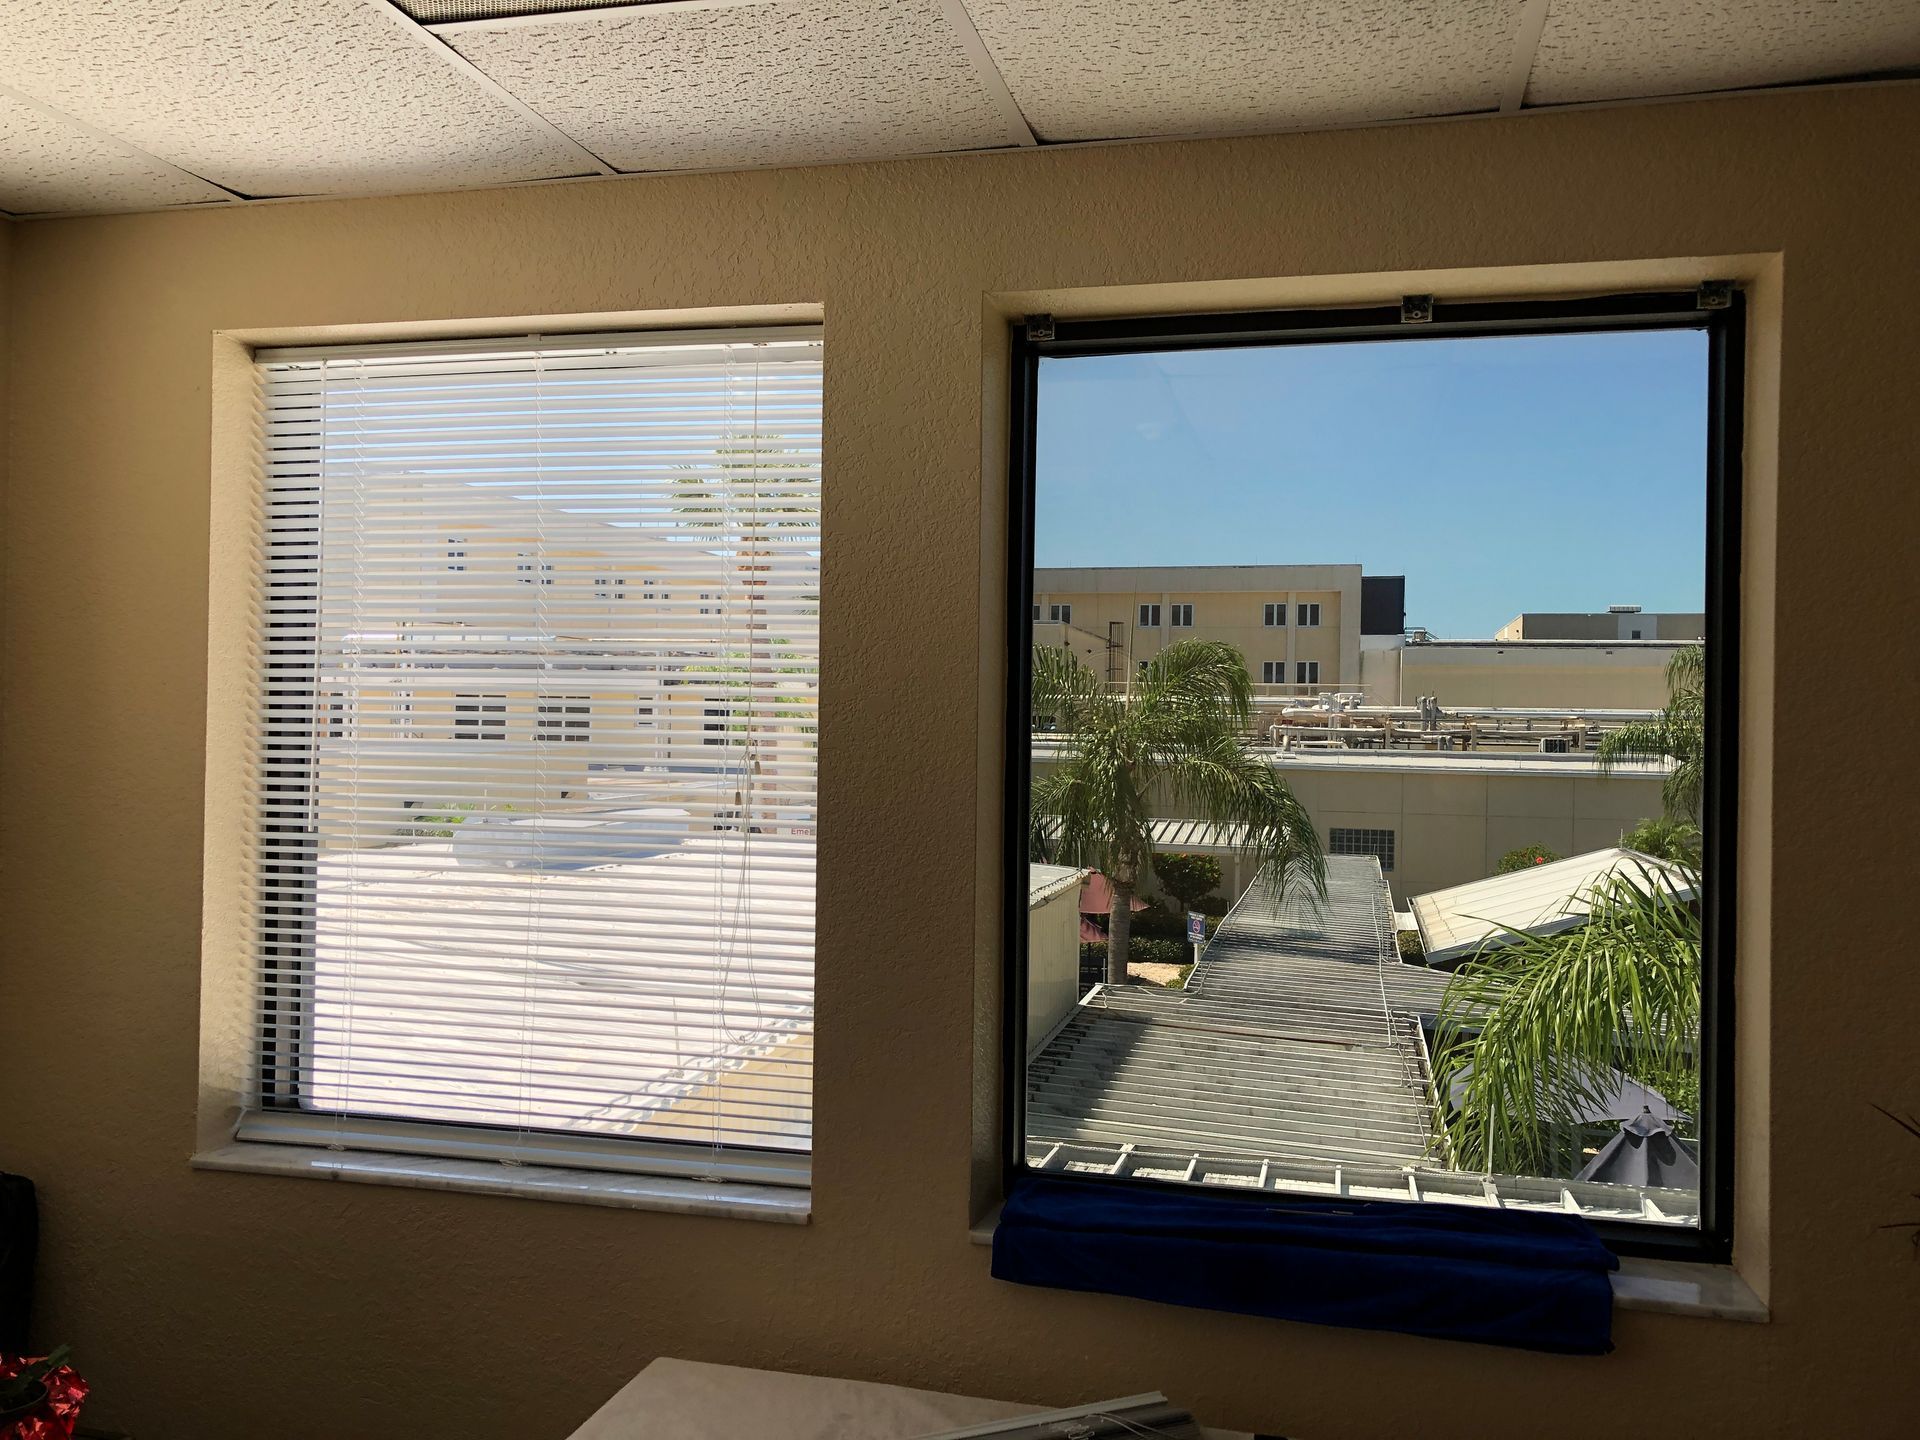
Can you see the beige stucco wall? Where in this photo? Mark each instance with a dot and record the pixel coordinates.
(1452, 828)
(1604, 625)
(1053, 962)
(1451, 823)
(1625, 677)
(220, 1305)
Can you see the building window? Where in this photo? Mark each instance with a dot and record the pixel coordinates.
(1536, 1125)
(336, 717)
(564, 717)
(714, 724)
(1182, 617)
(430, 872)
(1377, 843)
(480, 717)
(1036, 614)
(1060, 614)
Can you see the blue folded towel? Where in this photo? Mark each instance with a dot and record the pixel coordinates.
(1531, 1280)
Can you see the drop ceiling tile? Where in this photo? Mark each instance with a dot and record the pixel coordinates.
(780, 82)
(277, 97)
(48, 163)
(1612, 49)
(1105, 69)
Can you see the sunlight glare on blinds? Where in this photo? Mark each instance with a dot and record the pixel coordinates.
(535, 794)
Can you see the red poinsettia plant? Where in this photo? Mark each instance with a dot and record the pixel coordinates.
(39, 1399)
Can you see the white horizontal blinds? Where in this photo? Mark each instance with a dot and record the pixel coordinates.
(536, 792)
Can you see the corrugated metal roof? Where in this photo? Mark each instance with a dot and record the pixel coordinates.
(1542, 900)
(1046, 881)
(1292, 1062)
(1284, 1043)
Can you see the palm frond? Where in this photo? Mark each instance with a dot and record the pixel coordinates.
(1677, 735)
(1540, 1025)
(1176, 736)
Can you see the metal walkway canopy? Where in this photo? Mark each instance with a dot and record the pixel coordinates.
(1293, 1061)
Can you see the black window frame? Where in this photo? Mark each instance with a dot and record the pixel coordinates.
(1719, 310)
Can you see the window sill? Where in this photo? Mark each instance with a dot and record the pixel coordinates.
(529, 1182)
(1668, 1287)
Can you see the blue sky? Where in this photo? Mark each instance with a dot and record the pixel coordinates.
(1498, 475)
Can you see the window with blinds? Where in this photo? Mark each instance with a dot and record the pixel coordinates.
(470, 938)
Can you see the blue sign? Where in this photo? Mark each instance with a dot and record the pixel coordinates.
(1196, 928)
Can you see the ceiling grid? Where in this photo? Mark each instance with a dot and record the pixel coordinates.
(158, 103)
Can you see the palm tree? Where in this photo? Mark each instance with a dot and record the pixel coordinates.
(1173, 735)
(1677, 734)
(1539, 1026)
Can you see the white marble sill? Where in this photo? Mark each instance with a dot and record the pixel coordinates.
(528, 1182)
(1671, 1287)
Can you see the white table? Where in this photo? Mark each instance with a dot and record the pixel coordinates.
(690, 1400)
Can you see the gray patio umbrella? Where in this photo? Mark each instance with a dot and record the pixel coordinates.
(1619, 1099)
(1645, 1152)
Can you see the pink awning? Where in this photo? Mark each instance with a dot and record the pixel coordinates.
(1096, 896)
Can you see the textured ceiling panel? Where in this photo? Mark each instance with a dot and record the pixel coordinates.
(1610, 49)
(794, 82)
(1103, 69)
(277, 97)
(49, 163)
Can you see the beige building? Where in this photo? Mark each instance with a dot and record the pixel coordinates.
(1298, 625)
(1571, 675)
(1436, 820)
(1319, 629)
(1616, 622)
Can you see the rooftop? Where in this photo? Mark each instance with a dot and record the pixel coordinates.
(1285, 1042)
(641, 1028)
(1432, 762)
(1046, 881)
(1542, 899)
(1294, 1061)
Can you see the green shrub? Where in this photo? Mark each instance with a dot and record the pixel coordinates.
(1187, 878)
(1140, 951)
(1162, 925)
(1409, 944)
(1525, 858)
(1675, 840)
